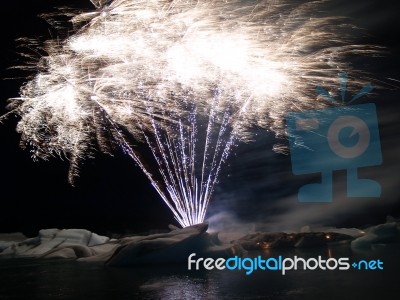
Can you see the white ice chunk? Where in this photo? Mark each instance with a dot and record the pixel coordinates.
(52, 238)
(383, 233)
(74, 236)
(48, 234)
(172, 247)
(96, 239)
(44, 247)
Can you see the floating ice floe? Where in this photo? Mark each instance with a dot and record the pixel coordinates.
(172, 247)
(379, 234)
(66, 243)
(176, 245)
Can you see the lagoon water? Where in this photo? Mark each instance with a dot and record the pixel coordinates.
(27, 278)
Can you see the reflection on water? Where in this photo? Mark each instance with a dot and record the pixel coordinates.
(43, 279)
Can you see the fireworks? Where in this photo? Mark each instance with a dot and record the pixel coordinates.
(187, 78)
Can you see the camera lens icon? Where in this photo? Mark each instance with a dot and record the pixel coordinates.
(338, 138)
(359, 130)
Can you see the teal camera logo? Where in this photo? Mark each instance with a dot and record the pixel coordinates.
(337, 138)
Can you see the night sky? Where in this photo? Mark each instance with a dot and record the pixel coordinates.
(112, 195)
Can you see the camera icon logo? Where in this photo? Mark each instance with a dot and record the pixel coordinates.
(338, 138)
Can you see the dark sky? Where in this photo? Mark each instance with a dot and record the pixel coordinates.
(112, 195)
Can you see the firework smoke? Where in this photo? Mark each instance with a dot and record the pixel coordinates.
(187, 78)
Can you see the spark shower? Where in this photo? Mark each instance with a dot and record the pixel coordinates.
(189, 79)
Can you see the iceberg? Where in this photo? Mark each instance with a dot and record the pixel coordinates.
(162, 248)
(50, 242)
(176, 245)
(379, 234)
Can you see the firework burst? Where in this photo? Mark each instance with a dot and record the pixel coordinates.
(187, 78)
